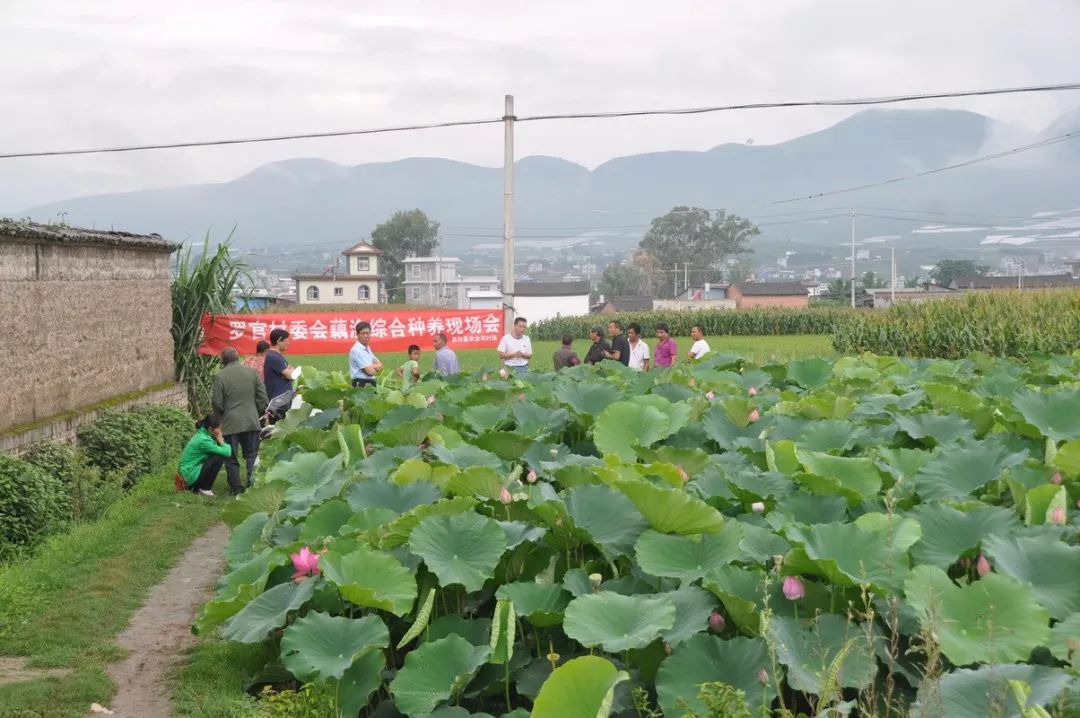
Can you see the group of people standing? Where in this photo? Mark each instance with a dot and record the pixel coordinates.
(629, 348)
(364, 366)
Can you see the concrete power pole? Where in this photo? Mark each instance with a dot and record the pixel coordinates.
(852, 257)
(892, 280)
(508, 213)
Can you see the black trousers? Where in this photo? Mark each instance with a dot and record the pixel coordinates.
(208, 473)
(248, 442)
(369, 381)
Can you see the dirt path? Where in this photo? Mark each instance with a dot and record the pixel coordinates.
(162, 628)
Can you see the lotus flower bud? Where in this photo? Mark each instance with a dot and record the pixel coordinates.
(1057, 516)
(758, 507)
(505, 497)
(709, 395)
(1056, 478)
(982, 566)
(595, 579)
(778, 560)
(484, 376)
(754, 416)
(521, 396)
(763, 677)
(692, 382)
(531, 476)
(667, 647)
(752, 391)
(793, 588)
(431, 399)
(1078, 503)
(717, 622)
(682, 473)
(503, 374)
(554, 453)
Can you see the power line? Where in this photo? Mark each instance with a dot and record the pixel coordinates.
(950, 214)
(847, 102)
(975, 160)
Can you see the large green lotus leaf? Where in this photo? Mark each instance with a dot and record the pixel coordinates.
(359, 681)
(465, 456)
(810, 509)
(503, 627)
(692, 608)
(398, 531)
(435, 672)
(1040, 502)
(247, 539)
(903, 464)
(507, 445)
(383, 494)
(1065, 640)
(542, 604)
(693, 461)
(821, 435)
(708, 659)
(485, 417)
(671, 510)
(608, 518)
(476, 631)
(782, 456)
(265, 497)
(318, 646)
(935, 429)
(1050, 567)
(857, 477)
(409, 433)
(688, 557)
(761, 544)
(812, 654)
(899, 533)
(730, 435)
(1067, 458)
(462, 549)
(847, 555)
(371, 578)
(412, 471)
(366, 520)
(992, 620)
(326, 519)
(583, 687)
(626, 424)
(678, 414)
(809, 373)
(587, 399)
(381, 463)
(948, 534)
(267, 612)
(518, 533)
(986, 693)
(1055, 414)
(534, 420)
(480, 481)
(617, 623)
(956, 471)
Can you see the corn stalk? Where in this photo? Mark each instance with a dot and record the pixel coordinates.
(200, 286)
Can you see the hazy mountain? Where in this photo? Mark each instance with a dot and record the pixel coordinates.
(306, 201)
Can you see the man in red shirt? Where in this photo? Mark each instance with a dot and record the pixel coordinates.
(666, 349)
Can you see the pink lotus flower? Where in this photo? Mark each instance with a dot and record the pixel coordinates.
(717, 622)
(503, 374)
(793, 588)
(754, 416)
(521, 396)
(763, 677)
(709, 395)
(1056, 478)
(758, 507)
(484, 377)
(431, 399)
(504, 496)
(982, 566)
(682, 473)
(531, 476)
(692, 382)
(306, 564)
(752, 391)
(1078, 503)
(1057, 516)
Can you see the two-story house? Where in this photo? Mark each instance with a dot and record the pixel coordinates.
(435, 282)
(360, 283)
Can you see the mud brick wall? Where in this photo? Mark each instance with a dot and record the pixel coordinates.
(80, 322)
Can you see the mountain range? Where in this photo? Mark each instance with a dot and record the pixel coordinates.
(318, 202)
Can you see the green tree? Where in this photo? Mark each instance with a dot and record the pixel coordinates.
(840, 289)
(698, 237)
(870, 280)
(912, 282)
(948, 269)
(622, 280)
(406, 234)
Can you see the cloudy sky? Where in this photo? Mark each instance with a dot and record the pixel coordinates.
(81, 74)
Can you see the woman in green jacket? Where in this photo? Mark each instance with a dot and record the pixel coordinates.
(204, 456)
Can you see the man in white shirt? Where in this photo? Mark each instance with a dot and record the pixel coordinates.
(700, 347)
(515, 349)
(363, 364)
(639, 350)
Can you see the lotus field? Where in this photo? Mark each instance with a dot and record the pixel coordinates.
(867, 536)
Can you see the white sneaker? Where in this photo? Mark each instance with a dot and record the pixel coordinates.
(205, 492)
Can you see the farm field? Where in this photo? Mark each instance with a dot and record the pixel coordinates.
(757, 349)
(810, 537)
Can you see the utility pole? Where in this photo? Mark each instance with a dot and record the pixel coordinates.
(686, 277)
(1020, 274)
(508, 213)
(892, 280)
(852, 257)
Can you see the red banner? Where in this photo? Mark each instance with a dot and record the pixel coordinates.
(334, 333)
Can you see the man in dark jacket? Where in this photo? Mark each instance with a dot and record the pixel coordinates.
(599, 348)
(240, 398)
(620, 345)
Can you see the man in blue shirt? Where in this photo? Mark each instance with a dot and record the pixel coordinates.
(277, 374)
(363, 365)
(446, 361)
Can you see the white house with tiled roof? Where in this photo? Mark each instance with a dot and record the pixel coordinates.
(359, 283)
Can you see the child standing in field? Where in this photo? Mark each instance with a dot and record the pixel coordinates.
(410, 370)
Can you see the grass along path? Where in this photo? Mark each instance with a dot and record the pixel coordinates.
(64, 605)
(759, 349)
